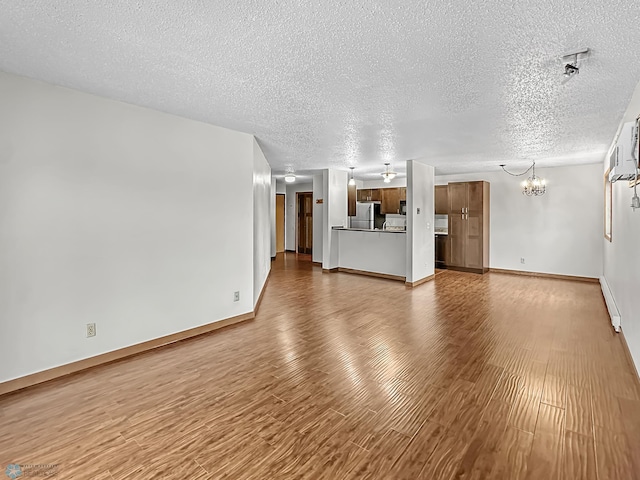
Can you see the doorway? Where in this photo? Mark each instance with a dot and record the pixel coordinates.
(280, 197)
(304, 201)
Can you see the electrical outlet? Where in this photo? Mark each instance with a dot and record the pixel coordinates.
(236, 296)
(521, 259)
(91, 330)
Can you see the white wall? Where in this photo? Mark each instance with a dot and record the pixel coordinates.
(420, 257)
(317, 218)
(273, 217)
(263, 213)
(334, 185)
(118, 215)
(396, 182)
(559, 232)
(622, 254)
(291, 213)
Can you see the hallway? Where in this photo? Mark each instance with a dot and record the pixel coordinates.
(343, 376)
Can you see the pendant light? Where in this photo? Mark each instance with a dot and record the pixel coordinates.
(352, 181)
(533, 186)
(388, 174)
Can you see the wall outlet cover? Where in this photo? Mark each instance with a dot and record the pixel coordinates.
(91, 330)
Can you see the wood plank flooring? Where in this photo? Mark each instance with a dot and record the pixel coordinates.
(343, 376)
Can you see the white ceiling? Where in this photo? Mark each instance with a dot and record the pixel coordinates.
(465, 85)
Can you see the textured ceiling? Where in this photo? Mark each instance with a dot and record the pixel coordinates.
(464, 85)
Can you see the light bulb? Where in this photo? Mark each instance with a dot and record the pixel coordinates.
(352, 181)
(387, 179)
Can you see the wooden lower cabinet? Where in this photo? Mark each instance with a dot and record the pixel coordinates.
(469, 226)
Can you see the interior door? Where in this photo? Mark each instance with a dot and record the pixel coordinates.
(280, 222)
(305, 222)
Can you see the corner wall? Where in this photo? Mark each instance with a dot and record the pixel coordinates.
(334, 192)
(262, 216)
(559, 232)
(118, 215)
(420, 231)
(318, 212)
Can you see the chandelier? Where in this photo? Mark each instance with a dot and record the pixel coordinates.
(533, 186)
(388, 175)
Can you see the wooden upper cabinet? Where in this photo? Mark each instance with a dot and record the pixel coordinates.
(457, 198)
(403, 194)
(442, 199)
(351, 200)
(390, 202)
(368, 195)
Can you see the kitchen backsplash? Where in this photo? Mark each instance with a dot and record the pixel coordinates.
(394, 220)
(441, 223)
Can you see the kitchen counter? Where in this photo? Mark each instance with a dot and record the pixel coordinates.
(372, 251)
(375, 230)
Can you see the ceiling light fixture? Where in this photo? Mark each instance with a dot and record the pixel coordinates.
(352, 181)
(533, 186)
(388, 175)
(570, 62)
(289, 178)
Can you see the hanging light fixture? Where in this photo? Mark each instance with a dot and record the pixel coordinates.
(533, 186)
(352, 181)
(289, 178)
(388, 174)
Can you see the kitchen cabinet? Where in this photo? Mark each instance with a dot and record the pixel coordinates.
(390, 202)
(403, 194)
(468, 237)
(368, 195)
(442, 200)
(351, 200)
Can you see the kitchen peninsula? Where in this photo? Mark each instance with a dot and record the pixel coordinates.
(380, 253)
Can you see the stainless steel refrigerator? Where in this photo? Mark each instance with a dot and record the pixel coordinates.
(365, 216)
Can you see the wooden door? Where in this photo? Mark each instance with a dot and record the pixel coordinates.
(390, 200)
(280, 223)
(442, 200)
(305, 222)
(351, 200)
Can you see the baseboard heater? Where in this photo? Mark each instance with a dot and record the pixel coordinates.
(611, 304)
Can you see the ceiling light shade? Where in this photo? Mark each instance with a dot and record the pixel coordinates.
(289, 178)
(534, 186)
(388, 174)
(352, 181)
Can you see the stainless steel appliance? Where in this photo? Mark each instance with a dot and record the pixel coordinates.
(364, 217)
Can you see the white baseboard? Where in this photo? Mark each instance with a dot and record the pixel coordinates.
(614, 313)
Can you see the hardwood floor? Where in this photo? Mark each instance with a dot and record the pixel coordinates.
(343, 376)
